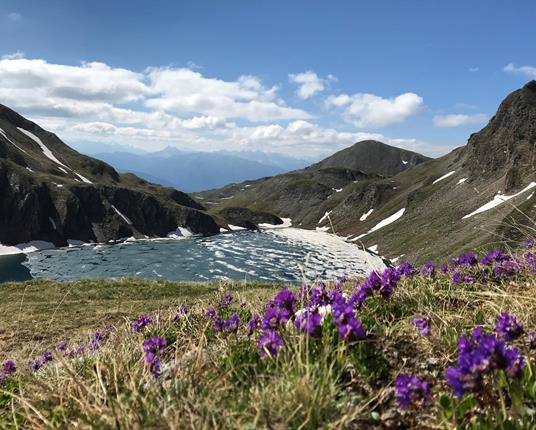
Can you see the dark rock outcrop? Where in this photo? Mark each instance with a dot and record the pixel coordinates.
(248, 218)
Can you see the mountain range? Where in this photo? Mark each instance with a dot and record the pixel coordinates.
(197, 171)
(405, 205)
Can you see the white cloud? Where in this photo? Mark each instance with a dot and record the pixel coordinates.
(184, 91)
(529, 71)
(365, 110)
(14, 56)
(456, 120)
(14, 16)
(474, 69)
(309, 83)
(94, 102)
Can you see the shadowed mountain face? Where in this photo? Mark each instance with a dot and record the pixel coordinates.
(50, 192)
(436, 208)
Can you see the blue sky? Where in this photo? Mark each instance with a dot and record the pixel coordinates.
(304, 78)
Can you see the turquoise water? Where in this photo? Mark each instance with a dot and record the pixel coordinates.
(265, 255)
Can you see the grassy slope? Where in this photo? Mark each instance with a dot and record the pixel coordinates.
(35, 314)
(215, 381)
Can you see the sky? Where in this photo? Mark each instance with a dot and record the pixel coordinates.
(303, 78)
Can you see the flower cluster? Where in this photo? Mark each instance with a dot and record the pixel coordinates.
(423, 324)
(183, 310)
(154, 348)
(7, 369)
(39, 362)
(411, 391)
(479, 357)
(508, 327)
(139, 324)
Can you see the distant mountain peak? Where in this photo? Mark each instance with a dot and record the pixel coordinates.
(373, 157)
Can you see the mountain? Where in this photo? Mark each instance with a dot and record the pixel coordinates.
(299, 194)
(371, 156)
(475, 196)
(196, 171)
(50, 192)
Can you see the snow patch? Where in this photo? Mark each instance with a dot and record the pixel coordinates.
(236, 227)
(325, 228)
(223, 230)
(385, 222)
(337, 190)
(84, 179)
(52, 222)
(530, 196)
(127, 220)
(444, 176)
(48, 153)
(373, 248)
(3, 133)
(461, 181)
(26, 248)
(325, 217)
(404, 162)
(499, 199)
(73, 242)
(365, 215)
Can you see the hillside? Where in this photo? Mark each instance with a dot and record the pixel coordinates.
(51, 193)
(437, 208)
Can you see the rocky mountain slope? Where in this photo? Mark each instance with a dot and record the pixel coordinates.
(50, 192)
(474, 196)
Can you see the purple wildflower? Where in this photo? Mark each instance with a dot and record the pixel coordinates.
(407, 270)
(496, 255)
(47, 357)
(154, 347)
(319, 295)
(269, 344)
(9, 368)
(286, 301)
(142, 322)
(508, 326)
(309, 322)
(211, 313)
(530, 259)
(457, 278)
(62, 346)
(390, 278)
(529, 242)
(253, 324)
(423, 324)
(410, 390)
(479, 356)
(506, 269)
(429, 269)
(348, 326)
(227, 300)
(218, 324)
(36, 364)
(232, 323)
(532, 340)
